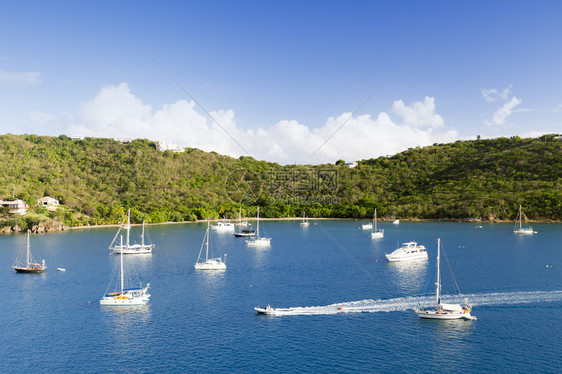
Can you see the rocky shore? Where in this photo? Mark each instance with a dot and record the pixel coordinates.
(39, 228)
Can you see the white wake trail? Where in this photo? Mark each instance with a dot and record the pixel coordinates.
(409, 302)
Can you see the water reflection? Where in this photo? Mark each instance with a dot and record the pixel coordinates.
(408, 275)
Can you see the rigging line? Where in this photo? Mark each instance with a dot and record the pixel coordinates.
(199, 104)
(327, 233)
(178, 288)
(380, 87)
(452, 275)
(424, 283)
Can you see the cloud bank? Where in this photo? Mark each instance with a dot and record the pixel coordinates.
(19, 79)
(117, 112)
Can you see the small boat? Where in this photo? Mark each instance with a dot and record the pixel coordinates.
(441, 310)
(128, 248)
(61, 269)
(258, 241)
(519, 229)
(209, 263)
(29, 266)
(126, 296)
(409, 251)
(396, 222)
(223, 226)
(240, 222)
(367, 226)
(376, 233)
(267, 310)
(248, 232)
(304, 222)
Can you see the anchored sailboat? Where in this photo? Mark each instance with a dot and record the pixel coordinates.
(126, 296)
(519, 229)
(209, 263)
(258, 241)
(128, 248)
(29, 266)
(304, 222)
(376, 233)
(441, 310)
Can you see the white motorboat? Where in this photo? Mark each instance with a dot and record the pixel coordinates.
(267, 310)
(519, 229)
(396, 222)
(410, 251)
(61, 269)
(125, 296)
(29, 265)
(128, 248)
(258, 241)
(223, 226)
(442, 310)
(216, 263)
(367, 226)
(376, 233)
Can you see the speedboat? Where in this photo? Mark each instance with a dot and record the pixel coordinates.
(222, 226)
(267, 310)
(409, 251)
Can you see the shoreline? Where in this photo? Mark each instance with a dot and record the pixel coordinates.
(459, 220)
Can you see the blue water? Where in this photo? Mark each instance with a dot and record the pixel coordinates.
(204, 321)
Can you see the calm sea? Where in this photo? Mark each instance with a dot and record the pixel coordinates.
(204, 321)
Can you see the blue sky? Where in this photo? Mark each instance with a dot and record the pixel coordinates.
(282, 77)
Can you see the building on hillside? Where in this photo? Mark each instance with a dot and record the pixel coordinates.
(124, 140)
(351, 164)
(163, 146)
(77, 137)
(16, 206)
(48, 202)
(559, 138)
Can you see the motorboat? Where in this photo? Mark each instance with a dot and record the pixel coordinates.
(410, 251)
(266, 310)
(223, 226)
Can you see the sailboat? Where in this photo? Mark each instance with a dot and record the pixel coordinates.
(376, 233)
(258, 241)
(126, 296)
(29, 266)
(441, 310)
(240, 222)
(519, 229)
(128, 248)
(209, 263)
(304, 222)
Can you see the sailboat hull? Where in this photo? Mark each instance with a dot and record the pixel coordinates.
(433, 314)
(134, 249)
(211, 264)
(25, 269)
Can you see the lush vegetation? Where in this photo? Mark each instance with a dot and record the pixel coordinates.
(97, 180)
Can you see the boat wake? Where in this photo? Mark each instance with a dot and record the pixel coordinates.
(408, 303)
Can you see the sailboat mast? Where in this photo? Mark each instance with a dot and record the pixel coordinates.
(142, 236)
(520, 217)
(207, 244)
(128, 226)
(122, 276)
(28, 248)
(258, 224)
(375, 220)
(438, 290)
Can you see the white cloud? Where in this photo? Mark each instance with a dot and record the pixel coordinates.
(492, 95)
(117, 112)
(19, 79)
(505, 111)
(39, 116)
(420, 113)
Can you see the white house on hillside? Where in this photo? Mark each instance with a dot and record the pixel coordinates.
(48, 202)
(163, 146)
(16, 206)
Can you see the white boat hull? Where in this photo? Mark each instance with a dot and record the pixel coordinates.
(525, 231)
(367, 226)
(123, 302)
(128, 297)
(211, 264)
(266, 310)
(446, 315)
(399, 258)
(260, 242)
(377, 234)
(134, 249)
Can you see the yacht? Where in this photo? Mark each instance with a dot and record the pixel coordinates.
(258, 241)
(127, 247)
(29, 266)
(410, 251)
(209, 263)
(376, 233)
(519, 229)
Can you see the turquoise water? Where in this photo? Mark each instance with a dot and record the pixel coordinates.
(204, 321)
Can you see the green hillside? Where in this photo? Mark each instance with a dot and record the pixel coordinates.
(97, 179)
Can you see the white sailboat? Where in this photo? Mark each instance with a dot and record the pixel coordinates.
(125, 296)
(441, 310)
(519, 229)
(240, 222)
(209, 263)
(376, 233)
(304, 222)
(129, 248)
(258, 241)
(29, 266)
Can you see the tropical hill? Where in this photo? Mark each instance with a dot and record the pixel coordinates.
(97, 180)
